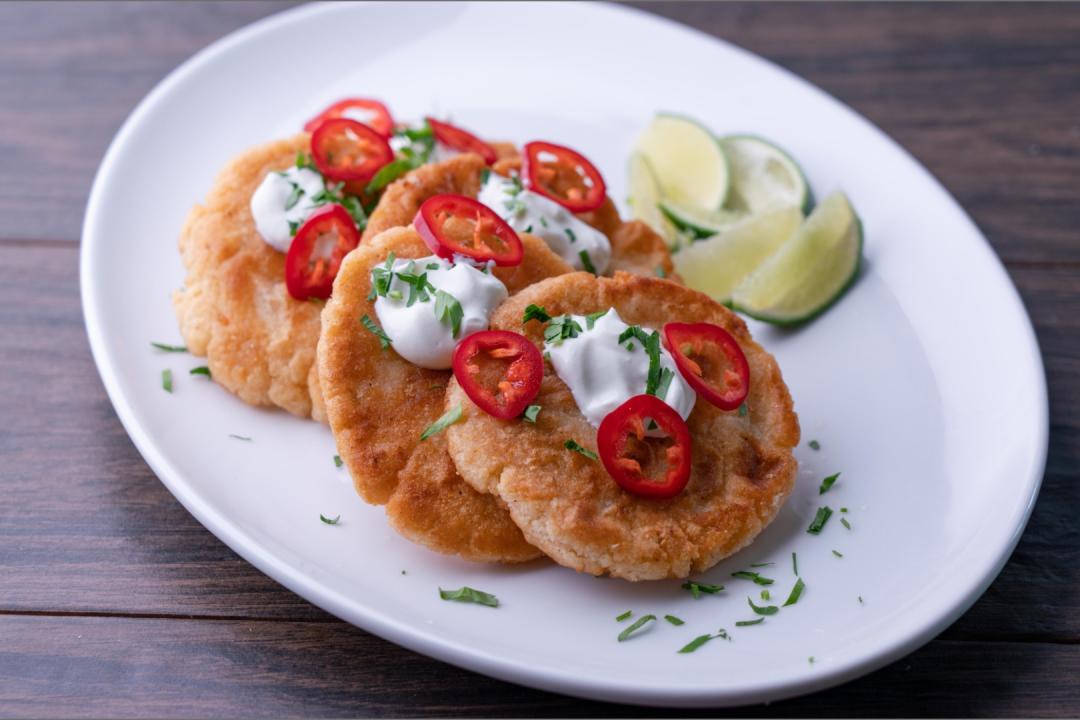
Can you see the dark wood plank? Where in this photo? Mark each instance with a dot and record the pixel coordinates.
(988, 96)
(86, 527)
(118, 667)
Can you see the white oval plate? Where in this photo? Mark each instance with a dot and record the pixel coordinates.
(924, 385)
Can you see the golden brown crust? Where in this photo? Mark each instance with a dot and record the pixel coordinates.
(568, 506)
(378, 404)
(234, 308)
(635, 247)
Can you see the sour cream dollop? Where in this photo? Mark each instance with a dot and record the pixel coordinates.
(530, 212)
(282, 198)
(416, 333)
(602, 374)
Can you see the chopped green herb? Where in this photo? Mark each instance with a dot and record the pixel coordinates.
(827, 483)
(374, 329)
(837, 553)
(794, 564)
(811, 658)
(743, 410)
(586, 262)
(860, 600)
(845, 523)
(815, 445)
(674, 620)
(652, 347)
(766, 610)
(796, 592)
(328, 521)
(448, 310)
(822, 517)
(696, 588)
(294, 196)
(484, 175)
(294, 225)
(572, 445)
(245, 438)
(573, 238)
(448, 418)
(388, 173)
(356, 210)
(764, 564)
(338, 462)
(591, 318)
(303, 161)
(535, 312)
(638, 624)
(201, 370)
(469, 595)
(625, 616)
(381, 277)
(660, 272)
(748, 575)
(166, 380)
(528, 229)
(561, 328)
(394, 294)
(747, 623)
(701, 640)
(765, 595)
(843, 509)
(432, 266)
(666, 375)
(169, 348)
(543, 221)
(531, 412)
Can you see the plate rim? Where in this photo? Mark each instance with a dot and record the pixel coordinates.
(470, 657)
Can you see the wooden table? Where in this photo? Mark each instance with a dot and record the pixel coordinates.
(115, 601)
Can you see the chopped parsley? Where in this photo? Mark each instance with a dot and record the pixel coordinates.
(531, 412)
(381, 277)
(338, 462)
(666, 375)
(653, 380)
(374, 329)
(697, 589)
(701, 640)
(625, 616)
(796, 592)
(837, 553)
(294, 225)
(591, 318)
(573, 239)
(484, 175)
(467, 594)
(572, 445)
(448, 418)
(828, 483)
(633, 332)
(814, 445)
(166, 380)
(535, 312)
(747, 623)
(845, 523)
(543, 221)
(169, 348)
(674, 620)
(755, 577)
(638, 624)
(294, 196)
(201, 370)
(743, 410)
(765, 595)
(822, 517)
(388, 173)
(561, 328)
(766, 610)
(448, 310)
(328, 521)
(660, 272)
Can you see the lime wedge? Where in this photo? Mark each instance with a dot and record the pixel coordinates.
(810, 270)
(716, 265)
(696, 223)
(645, 200)
(689, 163)
(763, 176)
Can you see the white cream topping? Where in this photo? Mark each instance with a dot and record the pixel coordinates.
(283, 198)
(602, 374)
(530, 212)
(416, 333)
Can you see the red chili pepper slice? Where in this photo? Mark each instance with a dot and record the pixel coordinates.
(458, 225)
(346, 150)
(378, 116)
(500, 371)
(629, 455)
(461, 140)
(315, 255)
(711, 361)
(564, 175)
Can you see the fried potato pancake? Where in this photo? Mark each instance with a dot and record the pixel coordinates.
(234, 308)
(568, 506)
(378, 404)
(635, 247)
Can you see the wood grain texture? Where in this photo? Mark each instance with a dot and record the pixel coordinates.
(115, 601)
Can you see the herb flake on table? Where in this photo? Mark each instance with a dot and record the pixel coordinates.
(338, 462)
(245, 438)
(794, 564)
(697, 589)
(837, 553)
(828, 483)
(640, 623)
(762, 610)
(625, 616)
(753, 576)
(674, 620)
(330, 521)
(165, 347)
(822, 517)
(166, 380)
(201, 370)
(815, 445)
(467, 594)
(701, 640)
(748, 623)
(845, 523)
(796, 592)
